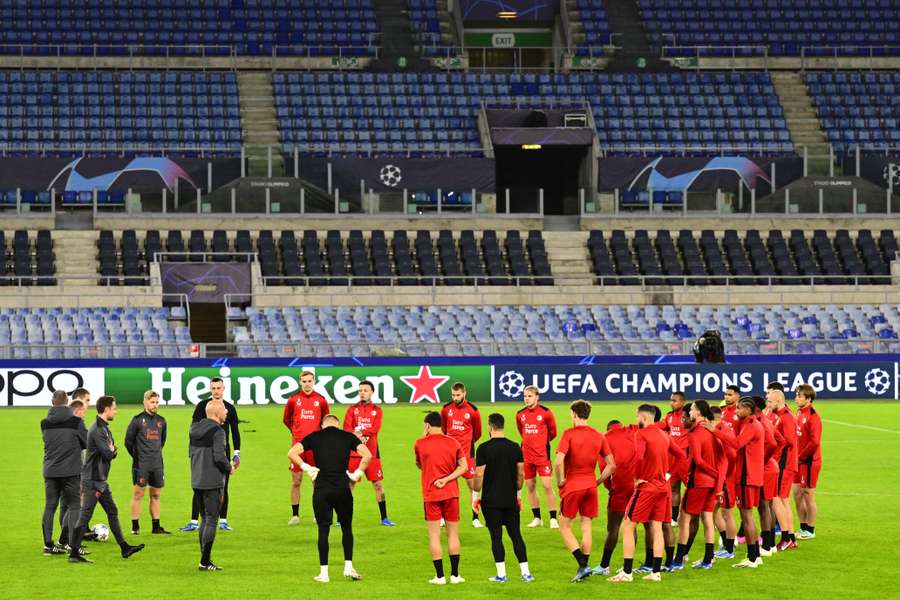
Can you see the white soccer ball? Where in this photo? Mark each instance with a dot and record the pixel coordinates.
(511, 384)
(101, 531)
(390, 175)
(877, 381)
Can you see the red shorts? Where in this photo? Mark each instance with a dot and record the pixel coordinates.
(373, 471)
(785, 479)
(619, 497)
(770, 484)
(679, 473)
(649, 505)
(808, 474)
(470, 472)
(698, 500)
(580, 502)
(448, 510)
(538, 469)
(307, 457)
(748, 496)
(728, 499)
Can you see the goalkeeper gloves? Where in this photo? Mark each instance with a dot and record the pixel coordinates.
(355, 475)
(476, 502)
(310, 470)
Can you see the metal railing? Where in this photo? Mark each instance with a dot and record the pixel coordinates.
(92, 299)
(473, 282)
(806, 56)
(101, 350)
(107, 149)
(202, 256)
(56, 279)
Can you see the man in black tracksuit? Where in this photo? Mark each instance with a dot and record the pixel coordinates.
(209, 468)
(144, 440)
(101, 450)
(217, 394)
(65, 436)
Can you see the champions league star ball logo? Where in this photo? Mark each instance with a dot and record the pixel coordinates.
(877, 381)
(390, 175)
(511, 384)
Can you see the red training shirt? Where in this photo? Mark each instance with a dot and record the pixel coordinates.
(583, 447)
(651, 455)
(809, 435)
(750, 446)
(621, 443)
(366, 416)
(673, 423)
(729, 416)
(704, 470)
(438, 455)
(786, 424)
(537, 426)
(463, 423)
(303, 413)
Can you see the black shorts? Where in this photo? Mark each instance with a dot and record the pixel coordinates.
(333, 500)
(500, 517)
(155, 478)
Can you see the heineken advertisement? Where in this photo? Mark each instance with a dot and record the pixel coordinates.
(179, 386)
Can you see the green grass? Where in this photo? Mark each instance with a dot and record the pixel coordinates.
(853, 555)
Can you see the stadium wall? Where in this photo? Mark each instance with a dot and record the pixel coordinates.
(428, 381)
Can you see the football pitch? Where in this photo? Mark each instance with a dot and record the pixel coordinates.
(854, 555)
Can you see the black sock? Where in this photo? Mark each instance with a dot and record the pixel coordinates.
(438, 567)
(382, 507)
(536, 512)
(580, 557)
(753, 551)
(792, 537)
(765, 539)
(135, 524)
(454, 565)
(675, 513)
(628, 565)
(804, 527)
(741, 530)
(607, 556)
(771, 538)
(811, 528)
(657, 563)
(670, 552)
(722, 536)
(156, 524)
(679, 554)
(648, 555)
(785, 536)
(474, 516)
(687, 547)
(552, 514)
(729, 545)
(295, 510)
(708, 553)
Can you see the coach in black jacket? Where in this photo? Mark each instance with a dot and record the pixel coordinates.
(101, 450)
(209, 468)
(65, 436)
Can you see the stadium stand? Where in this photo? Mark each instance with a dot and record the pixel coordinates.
(426, 26)
(373, 259)
(153, 27)
(619, 258)
(62, 112)
(857, 107)
(813, 27)
(25, 260)
(73, 332)
(425, 114)
(596, 26)
(554, 330)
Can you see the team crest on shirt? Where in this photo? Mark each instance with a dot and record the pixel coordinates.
(450, 413)
(316, 404)
(466, 416)
(522, 418)
(540, 418)
(373, 413)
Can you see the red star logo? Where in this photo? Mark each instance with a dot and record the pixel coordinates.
(424, 385)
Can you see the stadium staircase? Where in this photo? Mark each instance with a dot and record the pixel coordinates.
(443, 7)
(396, 37)
(258, 124)
(627, 28)
(76, 255)
(801, 119)
(576, 25)
(568, 255)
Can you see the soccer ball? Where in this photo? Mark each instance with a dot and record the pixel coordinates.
(101, 532)
(877, 381)
(511, 384)
(390, 175)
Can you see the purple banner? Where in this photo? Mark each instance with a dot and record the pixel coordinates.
(394, 174)
(726, 173)
(205, 282)
(141, 174)
(879, 169)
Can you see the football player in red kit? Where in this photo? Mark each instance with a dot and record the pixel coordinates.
(809, 460)
(461, 421)
(364, 419)
(773, 442)
(303, 414)
(580, 450)
(750, 447)
(724, 513)
(673, 424)
(537, 426)
(729, 406)
(787, 467)
(620, 486)
(650, 502)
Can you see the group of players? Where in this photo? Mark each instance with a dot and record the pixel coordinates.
(751, 453)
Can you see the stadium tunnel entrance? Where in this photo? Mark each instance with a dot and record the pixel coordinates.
(559, 170)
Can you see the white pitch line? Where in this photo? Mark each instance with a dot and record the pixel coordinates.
(857, 494)
(861, 426)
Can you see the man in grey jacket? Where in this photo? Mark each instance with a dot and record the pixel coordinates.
(144, 440)
(101, 450)
(65, 436)
(209, 467)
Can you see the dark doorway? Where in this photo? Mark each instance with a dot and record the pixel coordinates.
(208, 323)
(555, 169)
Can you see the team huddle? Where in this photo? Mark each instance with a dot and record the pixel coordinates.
(671, 474)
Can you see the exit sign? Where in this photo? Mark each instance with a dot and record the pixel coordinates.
(503, 40)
